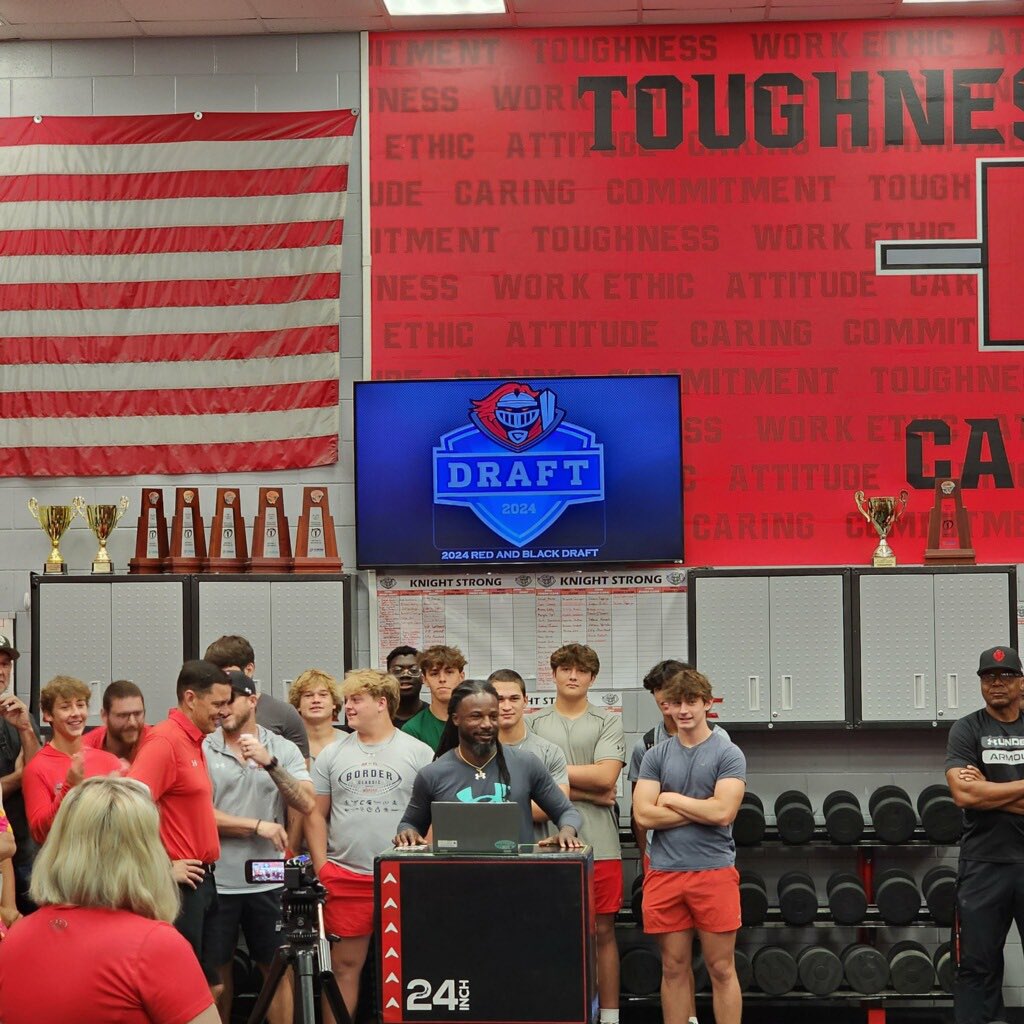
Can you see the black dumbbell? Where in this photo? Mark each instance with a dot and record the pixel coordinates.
(744, 971)
(865, 969)
(794, 817)
(847, 900)
(942, 961)
(910, 968)
(774, 969)
(640, 971)
(748, 826)
(844, 820)
(892, 814)
(702, 979)
(753, 898)
(636, 900)
(798, 899)
(897, 896)
(939, 889)
(941, 819)
(820, 971)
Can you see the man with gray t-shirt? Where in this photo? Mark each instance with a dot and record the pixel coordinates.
(513, 734)
(257, 777)
(363, 782)
(688, 793)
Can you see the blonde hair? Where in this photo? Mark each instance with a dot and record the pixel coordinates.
(312, 679)
(62, 688)
(374, 682)
(104, 850)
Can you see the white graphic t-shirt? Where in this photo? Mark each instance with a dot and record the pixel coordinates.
(370, 786)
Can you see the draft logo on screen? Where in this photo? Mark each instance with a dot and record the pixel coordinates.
(518, 464)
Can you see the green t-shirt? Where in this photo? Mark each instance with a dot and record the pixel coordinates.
(425, 726)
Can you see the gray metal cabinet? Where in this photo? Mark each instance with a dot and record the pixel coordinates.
(143, 627)
(117, 628)
(919, 635)
(292, 623)
(774, 645)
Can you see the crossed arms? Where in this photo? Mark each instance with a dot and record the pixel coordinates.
(662, 809)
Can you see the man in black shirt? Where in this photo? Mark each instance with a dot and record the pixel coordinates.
(985, 770)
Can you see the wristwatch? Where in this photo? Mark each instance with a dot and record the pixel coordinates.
(271, 764)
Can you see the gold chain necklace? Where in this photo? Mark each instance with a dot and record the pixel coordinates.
(479, 769)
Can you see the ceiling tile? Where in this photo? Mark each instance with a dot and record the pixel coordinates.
(977, 10)
(187, 10)
(300, 26)
(820, 13)
(54, 12)
(704, 16)
(561, 19)
(77, 30)
(206, 28)
(685, 6)
(337, 12)
(576, 6)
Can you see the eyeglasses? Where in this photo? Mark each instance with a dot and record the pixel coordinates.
(414, 672)
(995, 677)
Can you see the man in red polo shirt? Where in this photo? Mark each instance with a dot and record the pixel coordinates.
(124, 722)
(171, 763)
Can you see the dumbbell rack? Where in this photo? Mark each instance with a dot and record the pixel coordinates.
(866, 847)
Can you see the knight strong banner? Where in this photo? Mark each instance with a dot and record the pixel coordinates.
(820, 227)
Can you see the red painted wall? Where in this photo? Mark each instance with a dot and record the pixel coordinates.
(706, 200)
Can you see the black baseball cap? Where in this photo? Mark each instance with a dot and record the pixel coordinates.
(1000, 659)
(240, 682)
(6, 647)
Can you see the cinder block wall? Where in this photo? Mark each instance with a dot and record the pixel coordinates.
(161, 76)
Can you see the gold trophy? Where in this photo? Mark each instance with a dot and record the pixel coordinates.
(55, 519)
(102, 519)
(882, 514)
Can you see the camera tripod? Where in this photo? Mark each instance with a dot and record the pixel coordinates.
(309, 952)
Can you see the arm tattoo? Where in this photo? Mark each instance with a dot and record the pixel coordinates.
(294, 793)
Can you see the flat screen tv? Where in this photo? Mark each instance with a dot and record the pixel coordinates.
(518, 471)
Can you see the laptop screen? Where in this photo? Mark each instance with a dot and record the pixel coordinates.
(478, 828)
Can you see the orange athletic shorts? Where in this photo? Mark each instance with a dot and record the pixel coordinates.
(607, 886)
(678, 901)
(349, 908)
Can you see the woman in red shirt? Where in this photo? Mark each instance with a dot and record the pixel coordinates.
(106, 896)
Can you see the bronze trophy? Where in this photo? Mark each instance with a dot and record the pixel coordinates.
(271, 539)
(102, 519)
(188, 536)
(316, 545)
(949, 528)
(151, 548)
(55, 520)
(882, 514)
(228, 549)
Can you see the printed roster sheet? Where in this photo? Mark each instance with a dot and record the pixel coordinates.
(633, 618)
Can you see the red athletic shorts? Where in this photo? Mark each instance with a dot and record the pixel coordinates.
(607, 886)
(349, 908)
(678, 901)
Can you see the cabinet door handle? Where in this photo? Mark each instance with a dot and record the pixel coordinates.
(754, 693)
(787, 692)
(918, 689)
(953, 690)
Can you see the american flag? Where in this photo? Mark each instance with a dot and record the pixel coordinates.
(169, 292)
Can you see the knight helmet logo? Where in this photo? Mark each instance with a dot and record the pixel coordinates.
(516, 416)
(518, 464)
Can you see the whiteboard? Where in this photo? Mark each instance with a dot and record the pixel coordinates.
(633, 618)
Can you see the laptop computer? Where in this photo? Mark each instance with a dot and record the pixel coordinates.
(484, 828)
